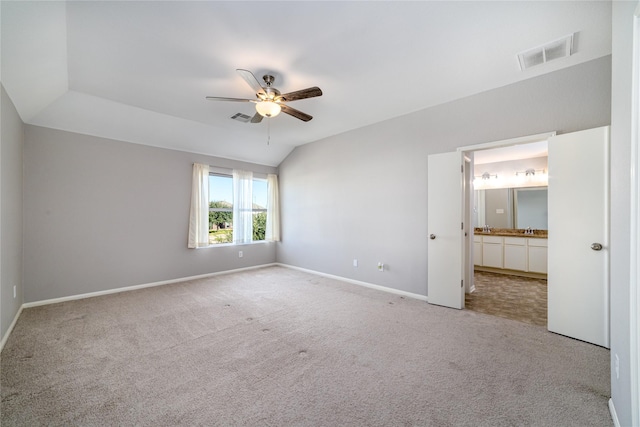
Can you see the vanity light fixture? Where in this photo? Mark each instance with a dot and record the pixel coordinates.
(530, 172)
(486, 175)
(484, 181)
(531, 178)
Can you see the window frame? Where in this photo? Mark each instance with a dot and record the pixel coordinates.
(228, 173)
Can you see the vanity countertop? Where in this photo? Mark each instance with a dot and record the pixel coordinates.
(512, 232)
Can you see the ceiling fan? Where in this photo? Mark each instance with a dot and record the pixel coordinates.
(269, 101)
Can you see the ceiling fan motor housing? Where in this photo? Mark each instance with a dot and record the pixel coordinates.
(271, 94)
(268, 79)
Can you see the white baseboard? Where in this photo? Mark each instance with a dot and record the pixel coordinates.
(136, 287)
(358, 282)
(11, 326)
(614, 414)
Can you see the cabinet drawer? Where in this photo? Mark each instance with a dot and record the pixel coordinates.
(477, 239)
(492, 239)
(519, 241)
(538, 242)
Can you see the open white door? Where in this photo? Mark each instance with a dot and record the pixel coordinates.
(578, 257)
(444, 224)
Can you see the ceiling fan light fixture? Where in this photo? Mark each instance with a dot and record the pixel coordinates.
(268, 108)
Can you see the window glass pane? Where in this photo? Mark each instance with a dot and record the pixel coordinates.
(220, 209)
(259, 209)
(260, 194)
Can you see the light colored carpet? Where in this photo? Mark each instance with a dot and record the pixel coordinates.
(280, 347)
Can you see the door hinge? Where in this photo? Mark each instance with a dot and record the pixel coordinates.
(462, 168)
(462, 226)
(462, 283)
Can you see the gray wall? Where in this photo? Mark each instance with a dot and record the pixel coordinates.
(363, 194)
(101, 214)
(11, 150)
(622, 39)
(498, 198)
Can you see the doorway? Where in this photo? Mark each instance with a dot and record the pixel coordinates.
(509, 199)
(576, 251)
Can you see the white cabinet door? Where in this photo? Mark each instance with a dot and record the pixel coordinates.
(477, 253)
(446, 240)
(538, 255)
(492, 255)
(515, 257)
(578, 287)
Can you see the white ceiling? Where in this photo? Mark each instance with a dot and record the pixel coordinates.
(140, 71)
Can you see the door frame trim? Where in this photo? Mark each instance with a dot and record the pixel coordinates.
(466, 150)
(507, 142)
(634, 285)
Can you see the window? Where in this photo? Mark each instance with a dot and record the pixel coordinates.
(221, 208)
(224, 208)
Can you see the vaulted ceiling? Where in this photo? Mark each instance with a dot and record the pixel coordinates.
(140, 71)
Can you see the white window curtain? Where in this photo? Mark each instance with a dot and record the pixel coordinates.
(199, 217)
(242, 206)
(272, 233)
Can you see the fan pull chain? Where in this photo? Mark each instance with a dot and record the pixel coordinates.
(268, 131)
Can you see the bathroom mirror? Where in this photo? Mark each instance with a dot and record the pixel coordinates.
(511, 208)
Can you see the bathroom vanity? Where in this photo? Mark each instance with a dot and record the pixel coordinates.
(511, 251)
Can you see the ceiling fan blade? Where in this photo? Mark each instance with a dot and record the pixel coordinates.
(295, 113)
(251, 81)
(302, 94)
(257, 118)
(221, 98)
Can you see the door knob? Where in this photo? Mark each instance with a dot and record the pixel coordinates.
(432, 236)
(596, 246)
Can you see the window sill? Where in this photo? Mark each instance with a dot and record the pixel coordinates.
(226, 245)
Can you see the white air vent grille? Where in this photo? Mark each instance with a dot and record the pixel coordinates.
(241, 117)
(560, 48)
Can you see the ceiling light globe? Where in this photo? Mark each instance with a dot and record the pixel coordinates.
(268, 108)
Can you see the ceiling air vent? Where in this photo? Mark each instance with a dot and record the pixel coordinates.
(559, 48)
(241, 117)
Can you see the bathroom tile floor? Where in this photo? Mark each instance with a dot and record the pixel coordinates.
(512, 297)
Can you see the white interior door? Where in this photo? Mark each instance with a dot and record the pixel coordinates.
(578, 286)
(445, 248)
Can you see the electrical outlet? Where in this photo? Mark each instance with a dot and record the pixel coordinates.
(617, 367)
(240, 254)
(355, 262)
(380, 266)
(14, 291)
